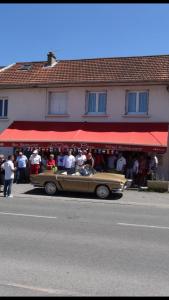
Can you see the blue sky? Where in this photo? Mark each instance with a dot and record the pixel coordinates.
(74, 31)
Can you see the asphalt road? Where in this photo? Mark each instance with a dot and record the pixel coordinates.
(75, 245)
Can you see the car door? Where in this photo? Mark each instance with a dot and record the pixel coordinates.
(74, 183)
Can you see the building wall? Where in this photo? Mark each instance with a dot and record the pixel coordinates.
(158, 104)
(31, 104)
(24, 105)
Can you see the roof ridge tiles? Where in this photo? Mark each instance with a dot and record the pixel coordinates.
(99, 58)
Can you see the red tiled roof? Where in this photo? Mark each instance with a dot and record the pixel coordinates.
(143, 69)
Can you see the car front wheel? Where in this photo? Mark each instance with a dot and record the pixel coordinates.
(50, 188)
(102, 192)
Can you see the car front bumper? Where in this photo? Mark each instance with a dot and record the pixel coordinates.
(117, 191)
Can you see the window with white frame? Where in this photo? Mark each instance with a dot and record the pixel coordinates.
(57, 103)
(96, 102)
(137, 102)
(3, 107)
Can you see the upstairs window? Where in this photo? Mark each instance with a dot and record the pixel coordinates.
(3, 107)
(57, 103)
(137, 103)
(96, 102)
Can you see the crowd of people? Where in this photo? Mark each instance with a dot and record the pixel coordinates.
(17, 168)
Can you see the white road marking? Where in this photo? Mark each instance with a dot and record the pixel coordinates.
(141, 225)
(26, 215)
(39, 289)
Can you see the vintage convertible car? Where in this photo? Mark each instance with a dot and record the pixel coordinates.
(86, 180)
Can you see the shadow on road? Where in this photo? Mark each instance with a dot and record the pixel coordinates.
(40, 191)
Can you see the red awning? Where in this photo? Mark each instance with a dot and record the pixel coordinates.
(124, 136)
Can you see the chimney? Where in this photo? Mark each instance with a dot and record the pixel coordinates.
(51, 59)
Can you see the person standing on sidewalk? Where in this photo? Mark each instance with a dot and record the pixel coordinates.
(69, 163)
(80, 160)
(2, 172)
(35, 162)
(121, 163)
(21, 162)
(9, 168)
(153, 165)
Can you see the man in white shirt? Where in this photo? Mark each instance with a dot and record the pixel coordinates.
(35, 162)
(69, 162)
(80, 159)
(121, 163)
(9, 168)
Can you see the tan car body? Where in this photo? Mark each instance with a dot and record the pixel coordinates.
(78, 183)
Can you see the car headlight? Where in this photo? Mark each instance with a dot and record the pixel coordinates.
(121, 185)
